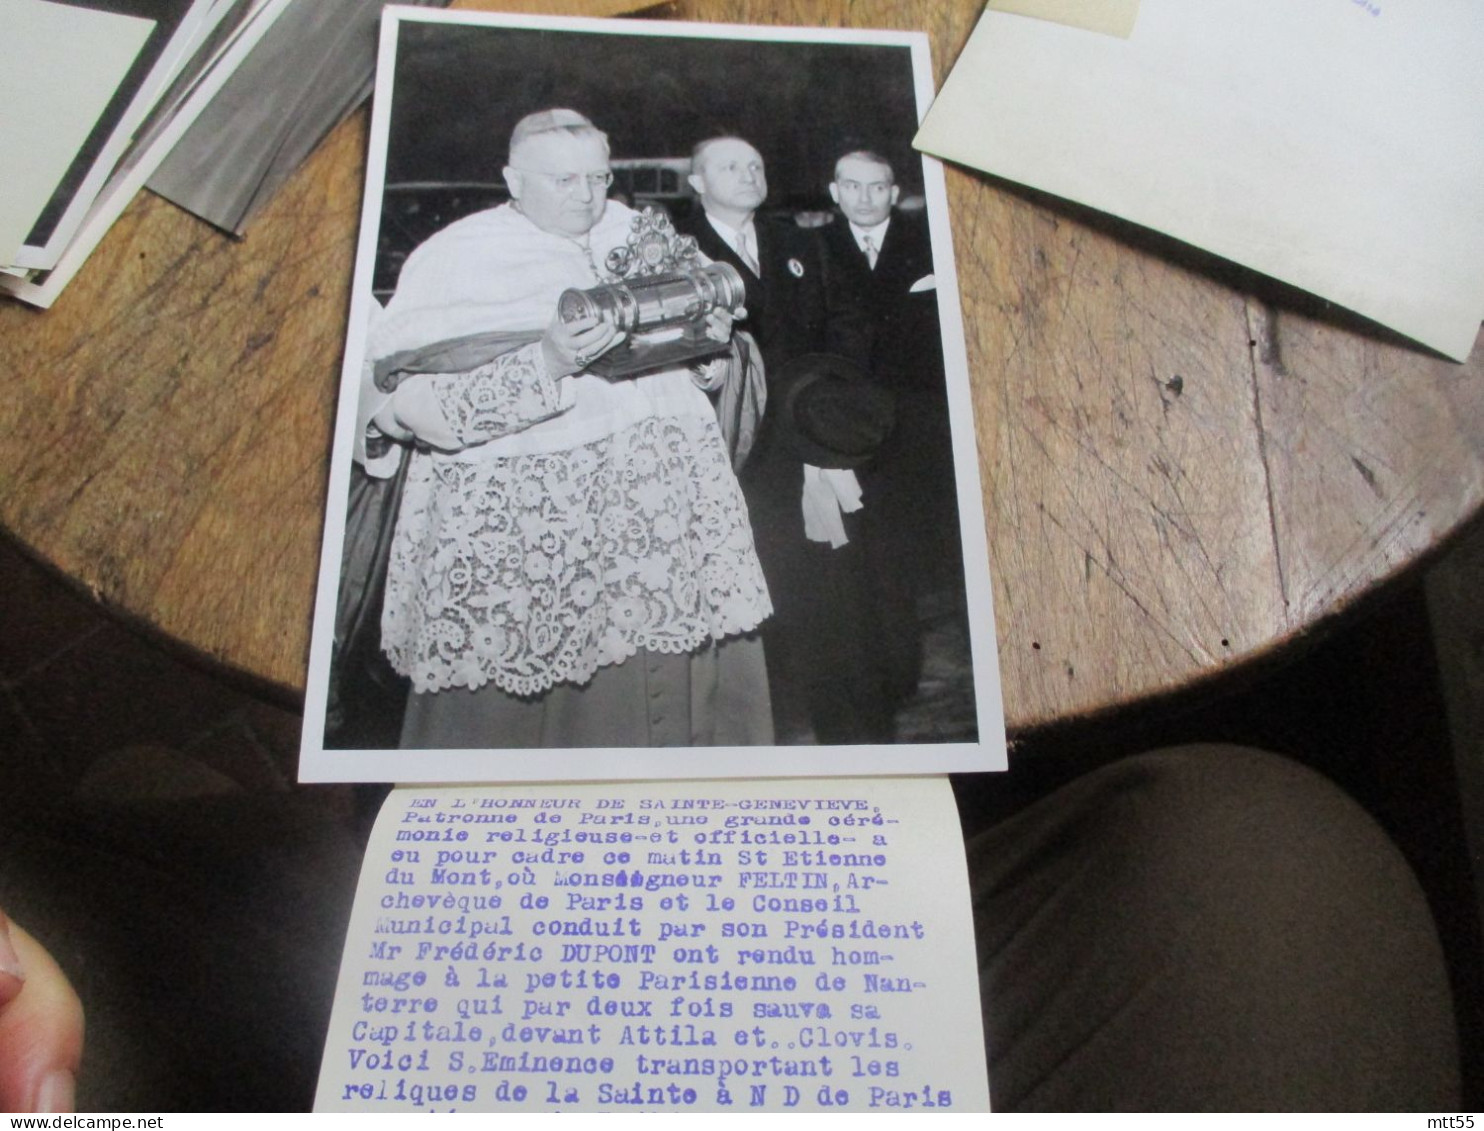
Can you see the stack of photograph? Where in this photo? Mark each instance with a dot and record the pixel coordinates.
(211, 104)
(94, 96)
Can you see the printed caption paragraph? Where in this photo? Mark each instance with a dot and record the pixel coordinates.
(705, 946)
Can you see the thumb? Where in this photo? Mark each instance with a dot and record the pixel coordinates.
(40, 1026)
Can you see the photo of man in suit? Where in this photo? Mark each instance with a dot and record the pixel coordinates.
(880, 256)
(825, 644)
(885, 258)
(791, 309)
(752, 195)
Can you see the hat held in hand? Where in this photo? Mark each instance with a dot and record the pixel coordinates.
(831, 414)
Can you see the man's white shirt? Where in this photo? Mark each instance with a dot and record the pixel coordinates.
(876, 234)
(742, 240)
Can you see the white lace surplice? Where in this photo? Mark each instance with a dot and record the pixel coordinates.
(587, 519)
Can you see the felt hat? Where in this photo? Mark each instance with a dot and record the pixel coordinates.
(830, 412)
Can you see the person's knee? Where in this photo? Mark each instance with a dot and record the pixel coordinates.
(1260, 855)
(1238, 813)
(1219, 920)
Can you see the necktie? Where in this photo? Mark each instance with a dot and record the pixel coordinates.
(871, 251)
(746, 251)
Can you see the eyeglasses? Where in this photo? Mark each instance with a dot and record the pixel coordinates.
(568, 182)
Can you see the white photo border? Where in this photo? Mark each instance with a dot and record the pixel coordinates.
(987, 753)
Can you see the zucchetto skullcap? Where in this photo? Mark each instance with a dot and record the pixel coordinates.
(544, 121)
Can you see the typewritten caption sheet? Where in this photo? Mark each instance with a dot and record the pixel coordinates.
(762, 946)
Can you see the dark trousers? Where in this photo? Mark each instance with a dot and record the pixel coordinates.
(1208, 928)
(838, 653)
(1204, 928)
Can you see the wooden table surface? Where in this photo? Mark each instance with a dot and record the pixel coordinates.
(1180, 475)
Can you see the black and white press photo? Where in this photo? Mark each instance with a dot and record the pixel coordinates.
(654, 455)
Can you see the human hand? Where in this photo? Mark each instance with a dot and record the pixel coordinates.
(40, 1027)
(570, 347)
(413, 413)
(719, 323)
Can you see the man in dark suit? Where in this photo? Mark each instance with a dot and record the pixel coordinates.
(881, 259)
(792, 306)
(884, 259)
(823, 642)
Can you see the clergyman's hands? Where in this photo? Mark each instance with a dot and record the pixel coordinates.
(570, 347)
(40, 1027)
(719, 323)
(412, 413)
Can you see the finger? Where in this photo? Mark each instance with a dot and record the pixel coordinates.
(718, 326)
(12, 971)
(613, 339)
(420, 415)
(41, 1030)
(591, 350)
(564, 335)
(596, 337)
(578, 325)
(560, 336)
(387, 423)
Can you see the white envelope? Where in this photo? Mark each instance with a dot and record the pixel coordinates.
(1337, 145)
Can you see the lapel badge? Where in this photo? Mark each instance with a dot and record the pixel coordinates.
(795, 268)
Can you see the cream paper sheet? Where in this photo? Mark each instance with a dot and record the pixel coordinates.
(1337, 145)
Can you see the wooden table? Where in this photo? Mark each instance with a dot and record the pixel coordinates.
(1180, 476)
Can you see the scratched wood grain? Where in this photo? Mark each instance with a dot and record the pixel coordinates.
(1179, 476)
(1373, 450)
